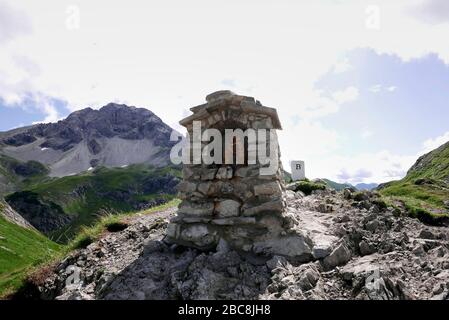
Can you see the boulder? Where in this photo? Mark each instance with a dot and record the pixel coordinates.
(308, 279)
(276, 261)
(347, 194)
(321, 251)
(199, 235)
(418, 250)
(366, 248)
(325, 208)
(339, 256)
(372, 225)
(295, 247)
(427, 234)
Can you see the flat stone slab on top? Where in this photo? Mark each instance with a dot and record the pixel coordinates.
(225, 99)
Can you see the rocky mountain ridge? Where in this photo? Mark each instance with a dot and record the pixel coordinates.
(115, 135)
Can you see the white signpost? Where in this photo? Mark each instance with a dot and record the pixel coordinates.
(298, 170)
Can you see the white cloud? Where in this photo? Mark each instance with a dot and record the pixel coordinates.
(375, 88)
(432, 144)
(280, 61)
(12, 23)
(230, 83)
(376, 167)
(431, 11)
(319, 106)
(367, 133)
(21, 92)
(342, 66)
(378, 88)
(392, 88)
(45, 105)
(308, 138)
(349, 94)
(24, 63)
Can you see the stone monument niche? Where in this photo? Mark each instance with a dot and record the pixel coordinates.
(233, 204)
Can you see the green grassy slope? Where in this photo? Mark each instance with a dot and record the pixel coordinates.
(425, 189)
(87, 196)
(20, 249)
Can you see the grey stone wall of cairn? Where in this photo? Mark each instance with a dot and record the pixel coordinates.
(233, 205)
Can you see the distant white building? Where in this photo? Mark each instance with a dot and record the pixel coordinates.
(298, 170)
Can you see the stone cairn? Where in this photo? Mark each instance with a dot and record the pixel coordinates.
(233, 205)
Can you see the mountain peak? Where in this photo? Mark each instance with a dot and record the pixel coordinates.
(114, 135)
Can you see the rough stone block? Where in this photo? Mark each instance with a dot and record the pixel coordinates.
(199, 235)
(204, 187)
(234, 221)
(186, 187)
(196, 209)
(187, 172)
(173, 230)
(228, 208)
(270, 188)
(273, 207)
(263, 124)
(249, 171)
(224, 173)
(208, 174)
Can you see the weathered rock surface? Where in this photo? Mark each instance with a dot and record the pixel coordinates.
(400, 259)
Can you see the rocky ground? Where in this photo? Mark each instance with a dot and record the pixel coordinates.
(359, 249)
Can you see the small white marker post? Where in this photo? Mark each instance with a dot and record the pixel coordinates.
(298, 170)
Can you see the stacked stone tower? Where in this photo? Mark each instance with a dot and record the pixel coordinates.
(234, 204)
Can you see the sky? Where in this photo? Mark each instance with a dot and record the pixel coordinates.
(361, 87)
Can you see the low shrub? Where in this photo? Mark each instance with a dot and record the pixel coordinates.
(307, 187)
